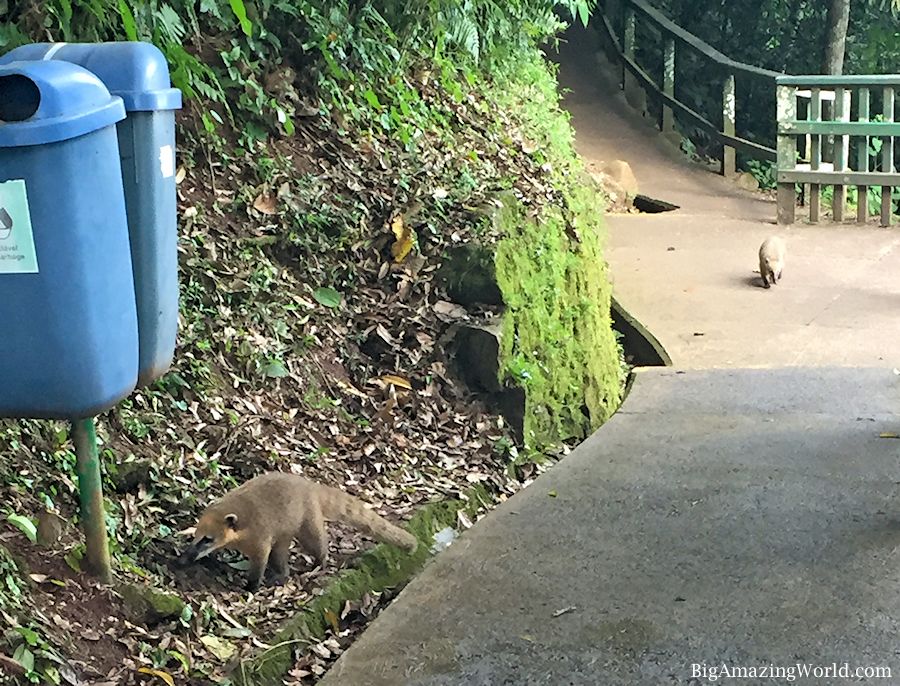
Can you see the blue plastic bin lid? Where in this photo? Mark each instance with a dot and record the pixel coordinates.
(47, 102)
(137, 72)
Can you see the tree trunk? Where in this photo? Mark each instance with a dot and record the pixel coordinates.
(836, 36)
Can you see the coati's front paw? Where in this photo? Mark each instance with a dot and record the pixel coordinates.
(252, 584)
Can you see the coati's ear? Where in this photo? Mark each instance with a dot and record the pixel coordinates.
(231, 521)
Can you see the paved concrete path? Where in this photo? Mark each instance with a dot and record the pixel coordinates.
(741, 516)
(746, 517)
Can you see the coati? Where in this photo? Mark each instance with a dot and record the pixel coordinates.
(261, 517)
(771, 260)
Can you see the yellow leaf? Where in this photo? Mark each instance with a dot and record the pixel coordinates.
(405, 239)
(218, 647)
(165, 676)
(350, 388)
(44, 579)
(333, 621)
(395, 380)
(888, 434)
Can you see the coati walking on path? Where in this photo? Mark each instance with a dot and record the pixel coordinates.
(261, 517)
(771, 260)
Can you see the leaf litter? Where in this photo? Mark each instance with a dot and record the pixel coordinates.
(312, 340)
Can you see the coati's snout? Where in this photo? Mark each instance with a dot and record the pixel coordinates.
(210, 535)
(197, 550)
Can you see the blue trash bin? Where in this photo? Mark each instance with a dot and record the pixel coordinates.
(68, 317)
(138, 73)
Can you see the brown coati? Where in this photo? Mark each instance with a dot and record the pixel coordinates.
(771, 260)
(261, 518)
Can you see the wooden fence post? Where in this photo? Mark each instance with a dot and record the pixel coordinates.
(787, 154)
(668, 118)
(887, 156)
(728, 128)
(841, 152)
(815, 154)
(862, 160)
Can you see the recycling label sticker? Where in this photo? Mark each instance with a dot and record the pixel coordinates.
(167, 161)
(17, 253)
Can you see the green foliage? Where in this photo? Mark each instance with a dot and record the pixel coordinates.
(25, 525)
(224, 53)
(764, 171)
(12, 586)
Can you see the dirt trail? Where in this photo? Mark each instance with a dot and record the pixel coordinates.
(689, 275)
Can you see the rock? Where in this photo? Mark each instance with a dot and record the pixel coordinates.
(617, 201)
(478, 356)
(470, 277)
(50, 528)
(478, 362)
(747, 181)
(620, 172)
(148, 606)
(129, 475)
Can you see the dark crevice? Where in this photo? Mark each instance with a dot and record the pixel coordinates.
(644, 203)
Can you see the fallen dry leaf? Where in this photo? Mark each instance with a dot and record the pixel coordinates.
(394, 380)
(451, 310)
(266, 203)
(333, 620)
(222, 649)
(405, 239)
(165, 676)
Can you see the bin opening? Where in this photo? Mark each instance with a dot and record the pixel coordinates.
(19, 98)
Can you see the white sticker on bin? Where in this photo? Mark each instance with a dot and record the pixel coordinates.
(167, 161)
(17, 253)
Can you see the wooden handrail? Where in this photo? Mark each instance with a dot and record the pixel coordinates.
(705, 49)
(831, 81)
(674, 35)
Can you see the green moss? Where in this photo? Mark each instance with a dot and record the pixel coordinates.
(382, 567)
(558, 342)
(149, 606)
(557, 338)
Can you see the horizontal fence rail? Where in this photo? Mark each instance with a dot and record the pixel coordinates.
(845, 134)
(840, 124)
(675, 38)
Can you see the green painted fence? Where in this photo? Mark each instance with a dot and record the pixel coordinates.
(845, 116)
